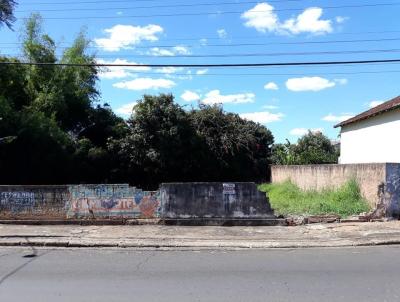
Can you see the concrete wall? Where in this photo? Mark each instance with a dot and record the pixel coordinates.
(372, 140)
(33, 201)
(370, 177)
(77, 201)
(120, 201)
(214, 200)
(230, 200)
(391, 190)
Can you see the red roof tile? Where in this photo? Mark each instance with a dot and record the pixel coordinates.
(387, 106)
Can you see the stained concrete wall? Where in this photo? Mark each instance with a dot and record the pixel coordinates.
(119, 200)
(391, 190)
(214, 200)
(78, 201)
(33, 201)
(370, 177)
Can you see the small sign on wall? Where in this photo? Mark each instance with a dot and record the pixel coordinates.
(229, 189)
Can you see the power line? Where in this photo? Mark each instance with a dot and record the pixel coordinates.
(147, 7)
(229, 55)
(124, 1)
(269, 74)
(356, 62)
(238, 37)
(214, 13)
(254, 44)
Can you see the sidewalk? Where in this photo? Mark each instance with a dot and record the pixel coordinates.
(204, 237)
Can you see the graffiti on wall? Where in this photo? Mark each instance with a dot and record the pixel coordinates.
(17, 200)
(113, 201)
(393, 189)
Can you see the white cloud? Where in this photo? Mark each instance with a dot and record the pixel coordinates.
(308, 22)
(271, 107)
(309, 84)
(215, 97)
(202, 71)
(127, 36)
(177, 50)
(304, 131)
(340, 19)
(126, 109)
(222, 33)
(203, 42)
(373, 104)
(341, 81)
(182, 50)
(337, 118)
(262, 117)
(144, 84)
(117, 72)
(271, 86)
(263, 18)
(169, 70)
(190, 96)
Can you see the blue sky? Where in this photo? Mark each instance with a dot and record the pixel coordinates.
(288, 100)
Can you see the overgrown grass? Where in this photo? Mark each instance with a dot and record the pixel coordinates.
(286, 198)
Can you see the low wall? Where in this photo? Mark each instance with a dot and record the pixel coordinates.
(121, 201)
(78, 201)
(379, 183)
(33, 201)
(214, 200)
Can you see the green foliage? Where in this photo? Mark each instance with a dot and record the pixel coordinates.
(167, 143)
(312, 148)
(52, 129)
(48, 111)
(7, 12)
(286, 198)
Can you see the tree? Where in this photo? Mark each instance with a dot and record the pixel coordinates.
(236, 149)
(312, 148)
(284, 154)
(7, 12)
(315, 148)
(59, 136)
(156, 148)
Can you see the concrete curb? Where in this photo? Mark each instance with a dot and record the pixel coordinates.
(152, 221)
(202, 237)
(194, 245)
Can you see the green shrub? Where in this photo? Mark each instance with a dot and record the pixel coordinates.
(286, 198)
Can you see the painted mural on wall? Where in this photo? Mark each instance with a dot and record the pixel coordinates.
(113, 201)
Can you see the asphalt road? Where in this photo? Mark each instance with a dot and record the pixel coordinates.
(352, 274)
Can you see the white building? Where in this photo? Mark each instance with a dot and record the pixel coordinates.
(372, 136)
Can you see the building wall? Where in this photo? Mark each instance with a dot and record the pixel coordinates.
(374, 140)
(370, 177)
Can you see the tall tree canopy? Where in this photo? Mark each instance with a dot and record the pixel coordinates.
(7, 12)
(167, 143)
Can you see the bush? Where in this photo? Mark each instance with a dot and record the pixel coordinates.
(286, 198)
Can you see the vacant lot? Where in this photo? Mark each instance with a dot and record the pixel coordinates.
(286, 198)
